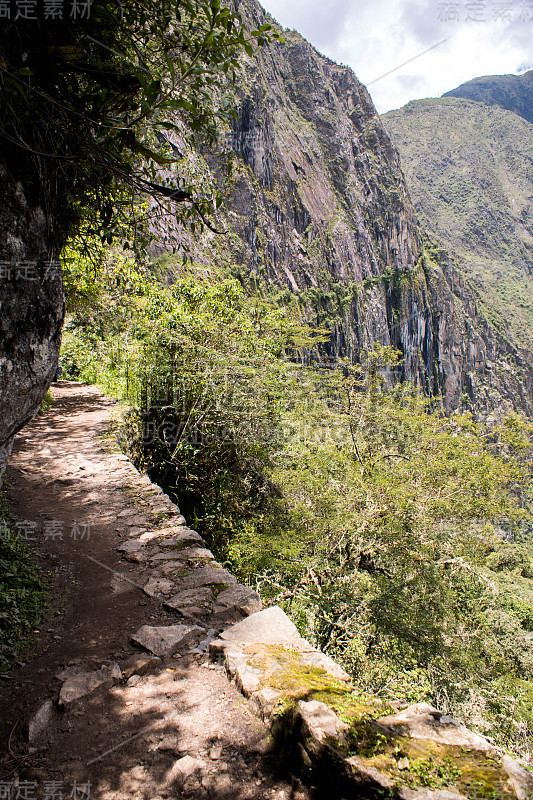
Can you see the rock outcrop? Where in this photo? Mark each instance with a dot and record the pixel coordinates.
(351, 744)
(468, 167)
(31, 310)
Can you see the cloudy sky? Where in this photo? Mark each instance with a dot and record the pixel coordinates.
(468, 38)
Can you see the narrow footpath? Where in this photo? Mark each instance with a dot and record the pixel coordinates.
(116, 697)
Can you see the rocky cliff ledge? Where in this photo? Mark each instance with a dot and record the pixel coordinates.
(350, 744)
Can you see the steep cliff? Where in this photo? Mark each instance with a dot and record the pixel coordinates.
(468, 166)
(318, 208)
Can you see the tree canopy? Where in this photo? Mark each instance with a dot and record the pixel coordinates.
(96, 103)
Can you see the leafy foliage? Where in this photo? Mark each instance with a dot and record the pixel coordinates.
(94, 108)
(22, 590)
(202, 366)
(398, 538)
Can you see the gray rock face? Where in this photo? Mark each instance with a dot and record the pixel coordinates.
(164, 641)
(31, 310)
(86, 684)
(40, 722)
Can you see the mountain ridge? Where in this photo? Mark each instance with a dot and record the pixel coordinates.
(318, 211)
(468, 166)
(511, 92)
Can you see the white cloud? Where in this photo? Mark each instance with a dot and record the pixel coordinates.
(374, 37)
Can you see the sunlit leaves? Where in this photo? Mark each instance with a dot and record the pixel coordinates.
(90, 94)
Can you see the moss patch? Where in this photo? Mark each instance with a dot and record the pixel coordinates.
(425, 763)
(416, 763)
(284, 670)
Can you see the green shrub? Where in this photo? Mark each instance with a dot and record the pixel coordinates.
(360, 507)
(22, 590)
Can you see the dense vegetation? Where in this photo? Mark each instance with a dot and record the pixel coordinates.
(104, 109)
(398, 538)
(22, 589)
(93, 106)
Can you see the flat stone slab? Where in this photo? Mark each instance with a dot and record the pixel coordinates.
(422, 721)
(165, 555)
(195, 602)
(40, 722)
(179, 519)
(270, 626)
(184, 554)
(200, 595)
(207, 576)
(180, 542)
(165, 640)
(86, 684)
(136, 530)
(237, 598)
(132, 551)
(175, 568)
(132, 545)
(181, 531)
(159, 587)
(139, 664)
(195, 553)
(139, 519)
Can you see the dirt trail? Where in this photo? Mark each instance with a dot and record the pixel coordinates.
(77, 500)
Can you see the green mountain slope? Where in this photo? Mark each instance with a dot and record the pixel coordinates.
(469, 168)
(512, 92)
